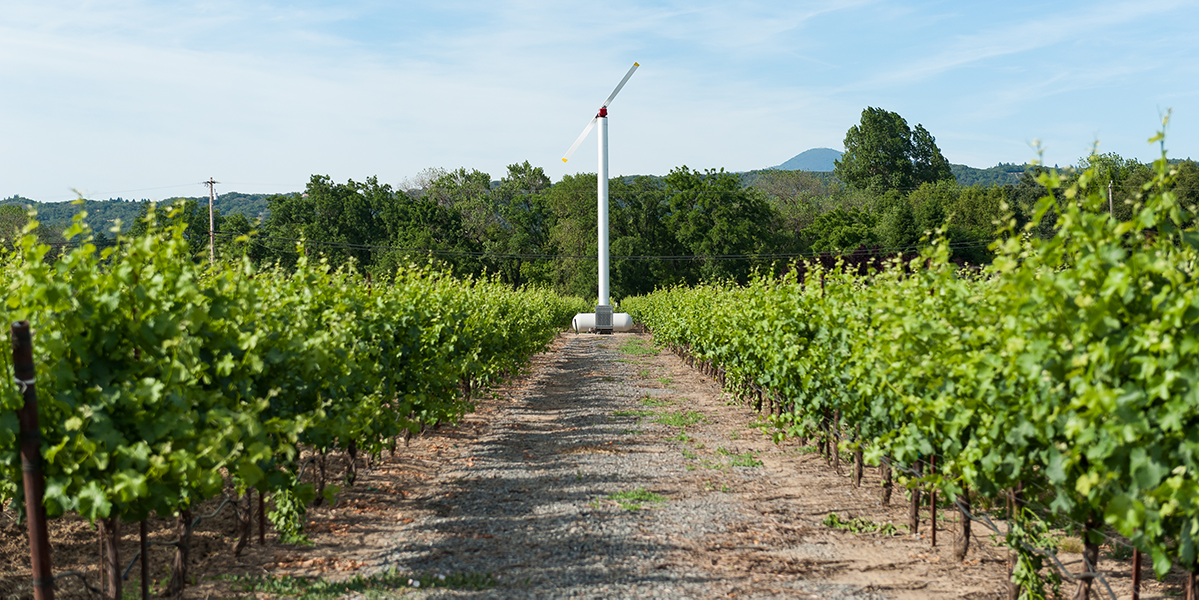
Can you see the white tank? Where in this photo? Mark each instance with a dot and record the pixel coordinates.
(584, 322)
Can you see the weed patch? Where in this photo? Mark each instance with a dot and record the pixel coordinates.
(634, 413)
(651, 401)
(745, 459)
(859, 525)
(636, 499)
(636, 347)
(318, 588)
(681, 419)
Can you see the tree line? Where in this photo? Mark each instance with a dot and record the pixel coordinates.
(891, 189)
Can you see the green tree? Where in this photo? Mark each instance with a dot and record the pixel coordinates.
(468, 193)
(932, 202)
(638, 215)
(896, 227)
(882, 153)
(573, 233)
(711, 214)
(841, 230)
(192, 213)
(525, 223)
(974, 220)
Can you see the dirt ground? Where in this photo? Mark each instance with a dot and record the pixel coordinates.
(789, 496)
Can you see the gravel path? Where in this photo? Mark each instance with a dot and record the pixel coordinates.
(532, 501)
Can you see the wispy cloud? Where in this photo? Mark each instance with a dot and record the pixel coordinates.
(132, 94)
(1039, 32)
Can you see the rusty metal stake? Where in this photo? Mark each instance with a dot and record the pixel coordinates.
(31, 463)
(1136, 574)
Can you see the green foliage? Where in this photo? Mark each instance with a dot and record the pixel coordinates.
(882, 153)
(744, 459)
(858, 525)
(637, 347)
(291, 504)
(375, 586)
(839, 229)
(685, 418)
(1066, 366)
(637, 499)
(157, 372)
(1031, 539)
(897, 228)
(999, 175)
(711, 214)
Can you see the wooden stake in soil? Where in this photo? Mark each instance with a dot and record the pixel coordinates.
(320, 484)
(961, 542)
(1015, 500)
(914, 508)
(1192, 584)
(1136, 574)
(932, 500)
(857, 460)
(145, 558)
(182, 553)
(261, 518)
(885, 473)
(352, 466)
(31, 462)
(835, 429)
(243, 520)
(1090, 554)
(110, 536)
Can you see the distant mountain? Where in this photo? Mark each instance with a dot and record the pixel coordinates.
(816, 159)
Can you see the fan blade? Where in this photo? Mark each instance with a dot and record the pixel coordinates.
(621, 84)
(582, 136)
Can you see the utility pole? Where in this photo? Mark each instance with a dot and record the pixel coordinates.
(1111, 211)
(211, 183)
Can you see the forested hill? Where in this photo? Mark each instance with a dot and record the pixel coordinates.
(101, 214)
(1001, 174)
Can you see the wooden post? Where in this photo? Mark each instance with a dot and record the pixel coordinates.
(885, 473)
(244, 514)
(961, 545)
(261, 518)
(858, 459)
(31, 463)
(182, 554)
(1192, 584)
(145, 558)
(914, 509)
(1015, 499)
(1090, 552)
(110, 536)
(1136, 574)
(932, 499)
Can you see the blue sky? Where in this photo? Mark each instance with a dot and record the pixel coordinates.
(145, 99)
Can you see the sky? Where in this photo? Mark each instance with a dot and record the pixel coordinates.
(146, 99)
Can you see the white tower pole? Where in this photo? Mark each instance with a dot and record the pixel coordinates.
(603, 206)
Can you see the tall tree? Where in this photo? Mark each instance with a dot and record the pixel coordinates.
(573, 201)
(638, 212)
(882, 153)
(525, 223)
(712, 214)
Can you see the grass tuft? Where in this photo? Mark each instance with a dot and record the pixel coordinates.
(377, 585)
(636, 499)
(637, 347)
(681, 419)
